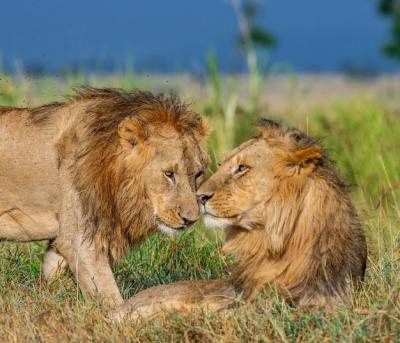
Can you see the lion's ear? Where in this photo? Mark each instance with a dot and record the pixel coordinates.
(303, 160)
(131, 131)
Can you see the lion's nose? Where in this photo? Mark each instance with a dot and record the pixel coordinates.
(203, 198)
(187, 222)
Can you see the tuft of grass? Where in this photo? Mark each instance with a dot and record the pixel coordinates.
(363, 136)
(162, 260)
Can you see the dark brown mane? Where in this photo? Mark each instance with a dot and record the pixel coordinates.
(110, 106)
(117, 104)
(300, 138)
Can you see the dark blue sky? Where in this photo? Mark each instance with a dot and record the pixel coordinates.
(313, 35)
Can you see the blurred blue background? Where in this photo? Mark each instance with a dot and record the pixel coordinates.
(177, 35)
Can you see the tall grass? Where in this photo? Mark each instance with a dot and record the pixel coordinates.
(363, 136)
(231, 121)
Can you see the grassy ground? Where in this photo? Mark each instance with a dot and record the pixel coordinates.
(362, 131)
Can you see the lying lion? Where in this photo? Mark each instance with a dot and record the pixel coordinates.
(97, 174)
(289, 220)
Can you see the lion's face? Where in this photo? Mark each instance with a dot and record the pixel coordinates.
(171, 180)
(237, 194)
(241, 183)
(173, 164)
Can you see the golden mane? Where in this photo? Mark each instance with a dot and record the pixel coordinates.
(312, 241)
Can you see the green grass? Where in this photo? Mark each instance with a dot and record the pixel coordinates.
(363, 136)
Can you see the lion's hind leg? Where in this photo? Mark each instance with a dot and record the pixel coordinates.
(181, 296)
(54, 264)
(26, 225)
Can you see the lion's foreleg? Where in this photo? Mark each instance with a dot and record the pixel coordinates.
(91, 268)
(92, 271)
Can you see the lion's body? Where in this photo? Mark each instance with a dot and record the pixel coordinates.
(289, 220)
(29, 180)
(289, 217)
(88, 175)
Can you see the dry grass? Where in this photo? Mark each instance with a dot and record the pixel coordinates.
(362, 131)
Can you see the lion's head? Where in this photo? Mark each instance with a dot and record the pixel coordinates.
(139, 165)
(252, 173)
(167, 156)
(290, 219)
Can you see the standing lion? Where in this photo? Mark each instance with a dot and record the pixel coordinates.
(289, 221)
(97, 174)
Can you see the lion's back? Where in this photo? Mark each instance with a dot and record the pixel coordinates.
(28, 159)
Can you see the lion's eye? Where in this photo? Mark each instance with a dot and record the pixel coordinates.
(170, 175)
(241, 169)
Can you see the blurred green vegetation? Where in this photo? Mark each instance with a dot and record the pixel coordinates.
(391, 9)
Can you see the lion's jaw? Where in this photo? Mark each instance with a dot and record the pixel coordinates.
(168, 230)
(213, 222)
(250, 217)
